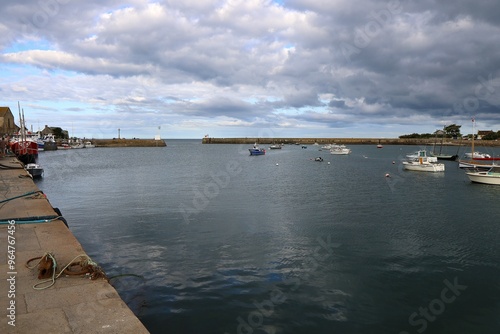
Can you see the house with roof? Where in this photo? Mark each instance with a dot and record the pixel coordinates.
(7, 125)
(482, 133)
(54, 130)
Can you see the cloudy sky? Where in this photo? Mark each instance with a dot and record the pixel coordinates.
(244, 68)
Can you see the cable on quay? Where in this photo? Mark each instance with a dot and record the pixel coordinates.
(33, 220)
(23, 195)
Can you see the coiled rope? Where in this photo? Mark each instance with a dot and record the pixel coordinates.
(89, 268)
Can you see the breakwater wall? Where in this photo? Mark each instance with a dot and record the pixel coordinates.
(350, 141)
(129, 143)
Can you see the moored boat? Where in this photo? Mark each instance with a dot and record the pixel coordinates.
(339, 150)
(490, 176)
(35, 170)
(422, 164)
(474, 159)
(23, 144)
(63, 146)
(421, 154)
(451, 157)
(78, 145)
(480, 156)
(256, 150)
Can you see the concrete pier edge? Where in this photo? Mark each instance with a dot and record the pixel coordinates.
(72, 304)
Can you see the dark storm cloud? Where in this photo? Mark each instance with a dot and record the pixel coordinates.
(358, 61)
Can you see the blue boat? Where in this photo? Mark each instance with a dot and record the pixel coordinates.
(256, 150)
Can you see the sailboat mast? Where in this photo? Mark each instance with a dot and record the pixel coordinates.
(473, 123)
(20, 121)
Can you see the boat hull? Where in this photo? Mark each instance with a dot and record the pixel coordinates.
(431, 167)
(50, 146)
(447, 157)
(257, 151)
(25, 151)
(484, 178)
(340, 152)
(35, 170)
(468, 164)
(487, 158)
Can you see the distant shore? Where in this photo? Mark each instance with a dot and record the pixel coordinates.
(128, 143)
(350, 141)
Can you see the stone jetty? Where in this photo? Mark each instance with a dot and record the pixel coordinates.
(33, 297)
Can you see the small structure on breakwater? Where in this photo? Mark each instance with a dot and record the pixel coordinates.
(129, 142)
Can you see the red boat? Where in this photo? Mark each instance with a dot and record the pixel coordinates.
(23, 145)
(25, 150)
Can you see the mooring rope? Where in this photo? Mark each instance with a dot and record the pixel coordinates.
(54, 266)
(86, 262)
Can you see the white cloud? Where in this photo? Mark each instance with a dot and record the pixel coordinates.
(248, 64)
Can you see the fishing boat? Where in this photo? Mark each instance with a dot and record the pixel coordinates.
(490, 176)
(35, 170)
(256, 150)
(23, 145)
(422, 164)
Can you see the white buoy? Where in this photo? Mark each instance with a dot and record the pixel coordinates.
(328, 162)
(277, 164)
(387, 175)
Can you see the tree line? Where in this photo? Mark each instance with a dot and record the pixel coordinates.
(450, 131)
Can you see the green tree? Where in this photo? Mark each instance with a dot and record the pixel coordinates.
(452, 130)
(492, 136)
(58, 133)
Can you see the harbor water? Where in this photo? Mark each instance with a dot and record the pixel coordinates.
(207, 239)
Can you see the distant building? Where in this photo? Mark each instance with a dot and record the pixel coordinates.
(7, 125)
(48, 130)
(482, 133)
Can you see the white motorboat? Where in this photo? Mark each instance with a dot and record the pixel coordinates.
(477, 155)
(339, 150)
(88, 144)
(63, 146)
(78, 145)
(422, 164)
(491, 176)
(35, 170)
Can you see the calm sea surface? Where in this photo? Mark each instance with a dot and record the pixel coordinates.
(207, 239)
